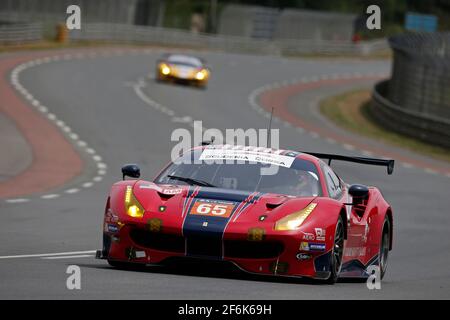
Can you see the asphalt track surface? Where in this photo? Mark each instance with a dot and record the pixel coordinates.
(125, 116)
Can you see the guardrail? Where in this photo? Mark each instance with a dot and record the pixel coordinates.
(421, 73)
(173, 37)
(20, 33)
(134, 34)
(428, 128)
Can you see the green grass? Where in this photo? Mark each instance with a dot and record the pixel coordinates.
(350, 111)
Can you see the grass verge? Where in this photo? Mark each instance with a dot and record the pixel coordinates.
(350, 111)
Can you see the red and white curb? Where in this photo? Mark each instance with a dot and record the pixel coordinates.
(253, 101)
(67, 131)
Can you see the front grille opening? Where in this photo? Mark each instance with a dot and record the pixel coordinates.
(252, 249)
(204, 246)
(157, 241)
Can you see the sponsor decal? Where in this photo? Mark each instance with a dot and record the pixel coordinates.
(355, 251)
(154, 225)
(308, 236)
(168, 191)
(317, 246)
(304, 246)
(256, 234)
(113, 228)
(140, 254)
(312, 246)
(320, 234)
(171, 191)
(303, 256)
(212, 208)
(246, 155)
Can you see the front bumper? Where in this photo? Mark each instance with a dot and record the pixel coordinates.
(176, 78)
(274, 253)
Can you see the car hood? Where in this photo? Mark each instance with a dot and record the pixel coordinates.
(244, 206)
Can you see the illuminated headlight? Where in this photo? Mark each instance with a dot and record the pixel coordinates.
(294, 220)
(165, 70)
(132, 206)
(201, 75)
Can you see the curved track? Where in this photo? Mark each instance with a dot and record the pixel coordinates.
(110, 103)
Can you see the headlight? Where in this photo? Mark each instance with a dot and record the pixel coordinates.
(165, 70)
(294, 220)
(201, 75)
(132, 206)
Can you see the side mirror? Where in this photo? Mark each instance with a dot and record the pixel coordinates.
(359, 193)
(131, 170)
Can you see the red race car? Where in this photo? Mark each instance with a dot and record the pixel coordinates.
(270, 212)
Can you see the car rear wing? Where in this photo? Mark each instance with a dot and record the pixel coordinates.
(388, 163)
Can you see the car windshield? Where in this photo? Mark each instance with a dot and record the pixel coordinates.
(184, 60)
(299, 179)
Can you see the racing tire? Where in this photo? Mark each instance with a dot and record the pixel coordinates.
(337, 253)
(385, 244)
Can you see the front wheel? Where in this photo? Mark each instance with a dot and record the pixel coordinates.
(337, 252)
(385, 244)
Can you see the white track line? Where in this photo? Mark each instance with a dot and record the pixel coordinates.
(69, 257)
(15, 81)
(38, 255)
(17, 200)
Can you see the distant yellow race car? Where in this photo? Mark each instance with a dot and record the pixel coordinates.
(182, 68)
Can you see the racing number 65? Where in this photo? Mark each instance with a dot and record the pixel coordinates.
(217, 209)
(222, 210)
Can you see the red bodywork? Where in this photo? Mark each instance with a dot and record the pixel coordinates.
(248, 240)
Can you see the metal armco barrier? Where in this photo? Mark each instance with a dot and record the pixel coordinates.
(174, 37)
(428, 128)
(421, 73)
(20, 33)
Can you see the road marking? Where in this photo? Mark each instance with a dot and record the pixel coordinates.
(38, 255)
(17, 200)
(73, 190)
(407, 165)
(348, 147)
(68, 257)
(50, 196)
(15, 81)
